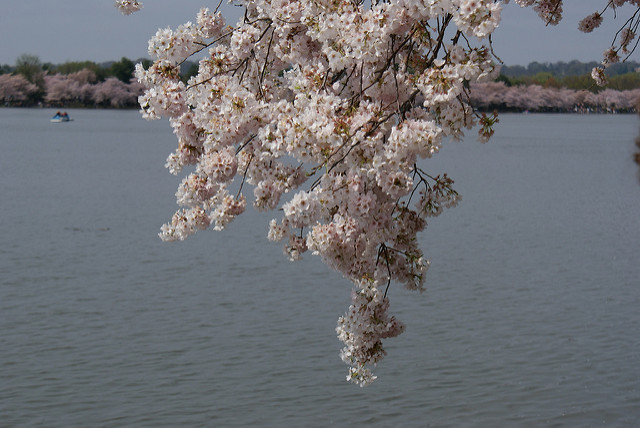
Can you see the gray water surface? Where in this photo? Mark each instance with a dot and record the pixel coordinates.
(530, 317)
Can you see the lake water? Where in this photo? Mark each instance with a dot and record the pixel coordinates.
(530, 317)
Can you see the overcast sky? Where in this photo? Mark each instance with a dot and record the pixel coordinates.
(75, 30)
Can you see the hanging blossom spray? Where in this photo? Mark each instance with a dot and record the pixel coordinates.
(327, 109)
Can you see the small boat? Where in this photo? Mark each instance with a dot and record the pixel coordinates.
(61, 117)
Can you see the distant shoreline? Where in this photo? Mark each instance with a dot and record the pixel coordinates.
(479, 110)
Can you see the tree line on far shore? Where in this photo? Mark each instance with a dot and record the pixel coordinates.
(547, 87)
(72, 84)
(535, 98)
(572, 75)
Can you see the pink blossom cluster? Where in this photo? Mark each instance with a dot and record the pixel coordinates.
(15, 89)
(550, 11)
(326, 109)
(362, 329)
(82, 88)
(590, 23)
(127, 7)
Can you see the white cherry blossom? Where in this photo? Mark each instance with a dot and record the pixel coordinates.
(329, 111)
(127, 7)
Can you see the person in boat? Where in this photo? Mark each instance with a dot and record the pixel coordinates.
(57, 115)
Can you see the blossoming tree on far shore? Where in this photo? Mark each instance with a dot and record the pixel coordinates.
(324, 109)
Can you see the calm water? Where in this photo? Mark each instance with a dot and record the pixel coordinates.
(530, 319)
